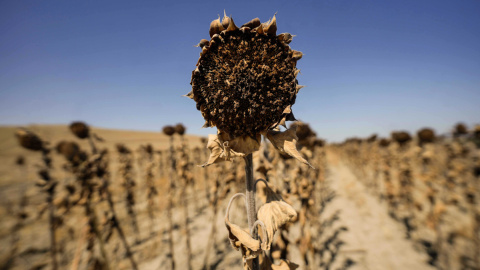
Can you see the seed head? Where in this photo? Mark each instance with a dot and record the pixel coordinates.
(304, 131)
(372, 138)
(122, 149)
(426, 135)
(476, 131)
(29, 140)
(80, 129)
(168, 130)
(245, 77)
(401, 137)
(383, 142)
(180, 129)
(460, 129)
(68, 149)
(245, 84)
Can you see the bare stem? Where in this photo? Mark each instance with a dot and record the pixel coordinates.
(51, 218)
(171, 189)
(251, 210)
(92, 145)
(117, 226)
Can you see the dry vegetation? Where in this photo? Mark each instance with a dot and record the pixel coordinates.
(140, 206)
(430, 185)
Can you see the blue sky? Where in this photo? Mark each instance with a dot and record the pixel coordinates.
(369, 66)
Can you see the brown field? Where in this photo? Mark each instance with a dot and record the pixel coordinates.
(365, 206)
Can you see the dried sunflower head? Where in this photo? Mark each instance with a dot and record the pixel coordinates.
(460, 129)
(180, 129)
(426, 135)
(80, 129)
(68, 149)
(245, 82)
(401, 137)
(168, 130)
(29, 140)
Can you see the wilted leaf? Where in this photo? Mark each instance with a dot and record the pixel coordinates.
(274, 214)
(239, 237)
(218, 153)
(286, 142)
(241, 145)
(215, 149)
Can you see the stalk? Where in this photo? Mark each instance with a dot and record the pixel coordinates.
(185, 205)
(211, 238)
(90, 213)
(250, 196)
(51, 208)
(187, 231)
(170, 205)
(117, 223)
(51, 219)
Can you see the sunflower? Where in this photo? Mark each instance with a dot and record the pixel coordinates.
(245, 84)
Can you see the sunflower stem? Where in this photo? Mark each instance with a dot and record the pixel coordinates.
(251, 210)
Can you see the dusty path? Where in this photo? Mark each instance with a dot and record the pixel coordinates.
(370, 238)
(373, 239)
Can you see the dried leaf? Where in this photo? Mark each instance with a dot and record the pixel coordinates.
(286, 142)
(243, 145)
(287, 115)
(215, 149)
(218, 152)
(274, 214)
(240, 238)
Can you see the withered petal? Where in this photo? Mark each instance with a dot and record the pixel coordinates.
(207, 124)
(253, 23)
(285, 37)
(189, 95)
(216, 27)
(203, 43)
(259, 30)
(225, 20)
(272, 27)
(297, 55)
(231, 26)
(298, 87)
